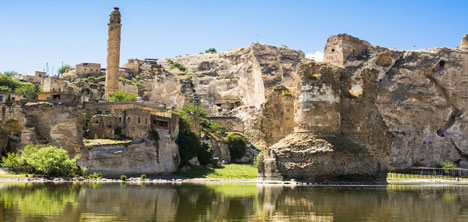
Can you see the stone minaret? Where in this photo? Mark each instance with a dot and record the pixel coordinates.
(113, 53)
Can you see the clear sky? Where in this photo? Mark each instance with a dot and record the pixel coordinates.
(33, 32)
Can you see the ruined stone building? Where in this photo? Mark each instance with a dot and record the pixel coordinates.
(117, 120)
(53, 84)
(10, 97)
(37, 76)
(113, 53)
(136, 65)
(87, 69)
(59, 96)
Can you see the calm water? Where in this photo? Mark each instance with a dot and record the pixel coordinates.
(248, 202)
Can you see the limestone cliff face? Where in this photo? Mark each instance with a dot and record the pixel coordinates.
(26, 123)
(231, 83)
(142, 156)
(227, 80)
(277, 120)
(367, 107)
(421, 96)
(338, 135)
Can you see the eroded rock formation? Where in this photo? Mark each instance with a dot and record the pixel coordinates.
(135, 158)
(338, 135)
(60, 124)
(366, 95)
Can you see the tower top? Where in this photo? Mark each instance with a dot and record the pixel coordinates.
(114, 16)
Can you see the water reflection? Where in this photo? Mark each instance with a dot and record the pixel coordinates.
(238, 202)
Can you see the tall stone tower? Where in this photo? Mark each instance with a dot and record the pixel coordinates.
(113, 53)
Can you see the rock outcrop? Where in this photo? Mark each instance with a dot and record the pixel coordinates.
(421, 96)
(371, 95)
(59, 124)
(339, 134)
(135, 158)
(464, 43)
(234, 83)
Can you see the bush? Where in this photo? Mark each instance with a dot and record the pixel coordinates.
(258, 161)
(10, 161)
(210, 50)
(123, 177)
(143, 176)
(237, 145)
(121, 96)
(95, 175)
(177, 65)
(42, 159)
(447, 164)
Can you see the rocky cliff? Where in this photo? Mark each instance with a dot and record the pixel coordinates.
(60, 124)
(138, 157)
(338, 134)
(419, 95)
(234, 83)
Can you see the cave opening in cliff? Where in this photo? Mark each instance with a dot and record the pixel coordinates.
(441, 64)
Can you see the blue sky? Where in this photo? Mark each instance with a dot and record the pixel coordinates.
(38, 31)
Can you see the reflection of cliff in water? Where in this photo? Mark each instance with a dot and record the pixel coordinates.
(116, 202)
(365, 203)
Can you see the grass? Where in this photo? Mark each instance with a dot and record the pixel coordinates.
(231, 171)
(15, 176)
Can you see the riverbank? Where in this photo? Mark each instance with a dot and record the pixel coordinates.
(233, 173)
(179, 180)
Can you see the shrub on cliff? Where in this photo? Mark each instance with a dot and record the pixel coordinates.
(42, 159)
(237, 145)
(447, 164)
(210, 50)
(121, 96)
(258, 161)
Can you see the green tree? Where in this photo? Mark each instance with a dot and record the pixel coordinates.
(64, 68)
(42, 159)
(188, 140)
(10, 73)
(27, 90)
(8, 84)
(121, 96)
(237, 145)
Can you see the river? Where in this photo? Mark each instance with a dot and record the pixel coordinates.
(230, 202)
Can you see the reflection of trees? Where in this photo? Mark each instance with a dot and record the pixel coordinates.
(38, 200)
(165, 202)
(215, 202)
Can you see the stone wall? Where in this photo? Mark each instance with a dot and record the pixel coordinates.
(278, 115)
(87, 69)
